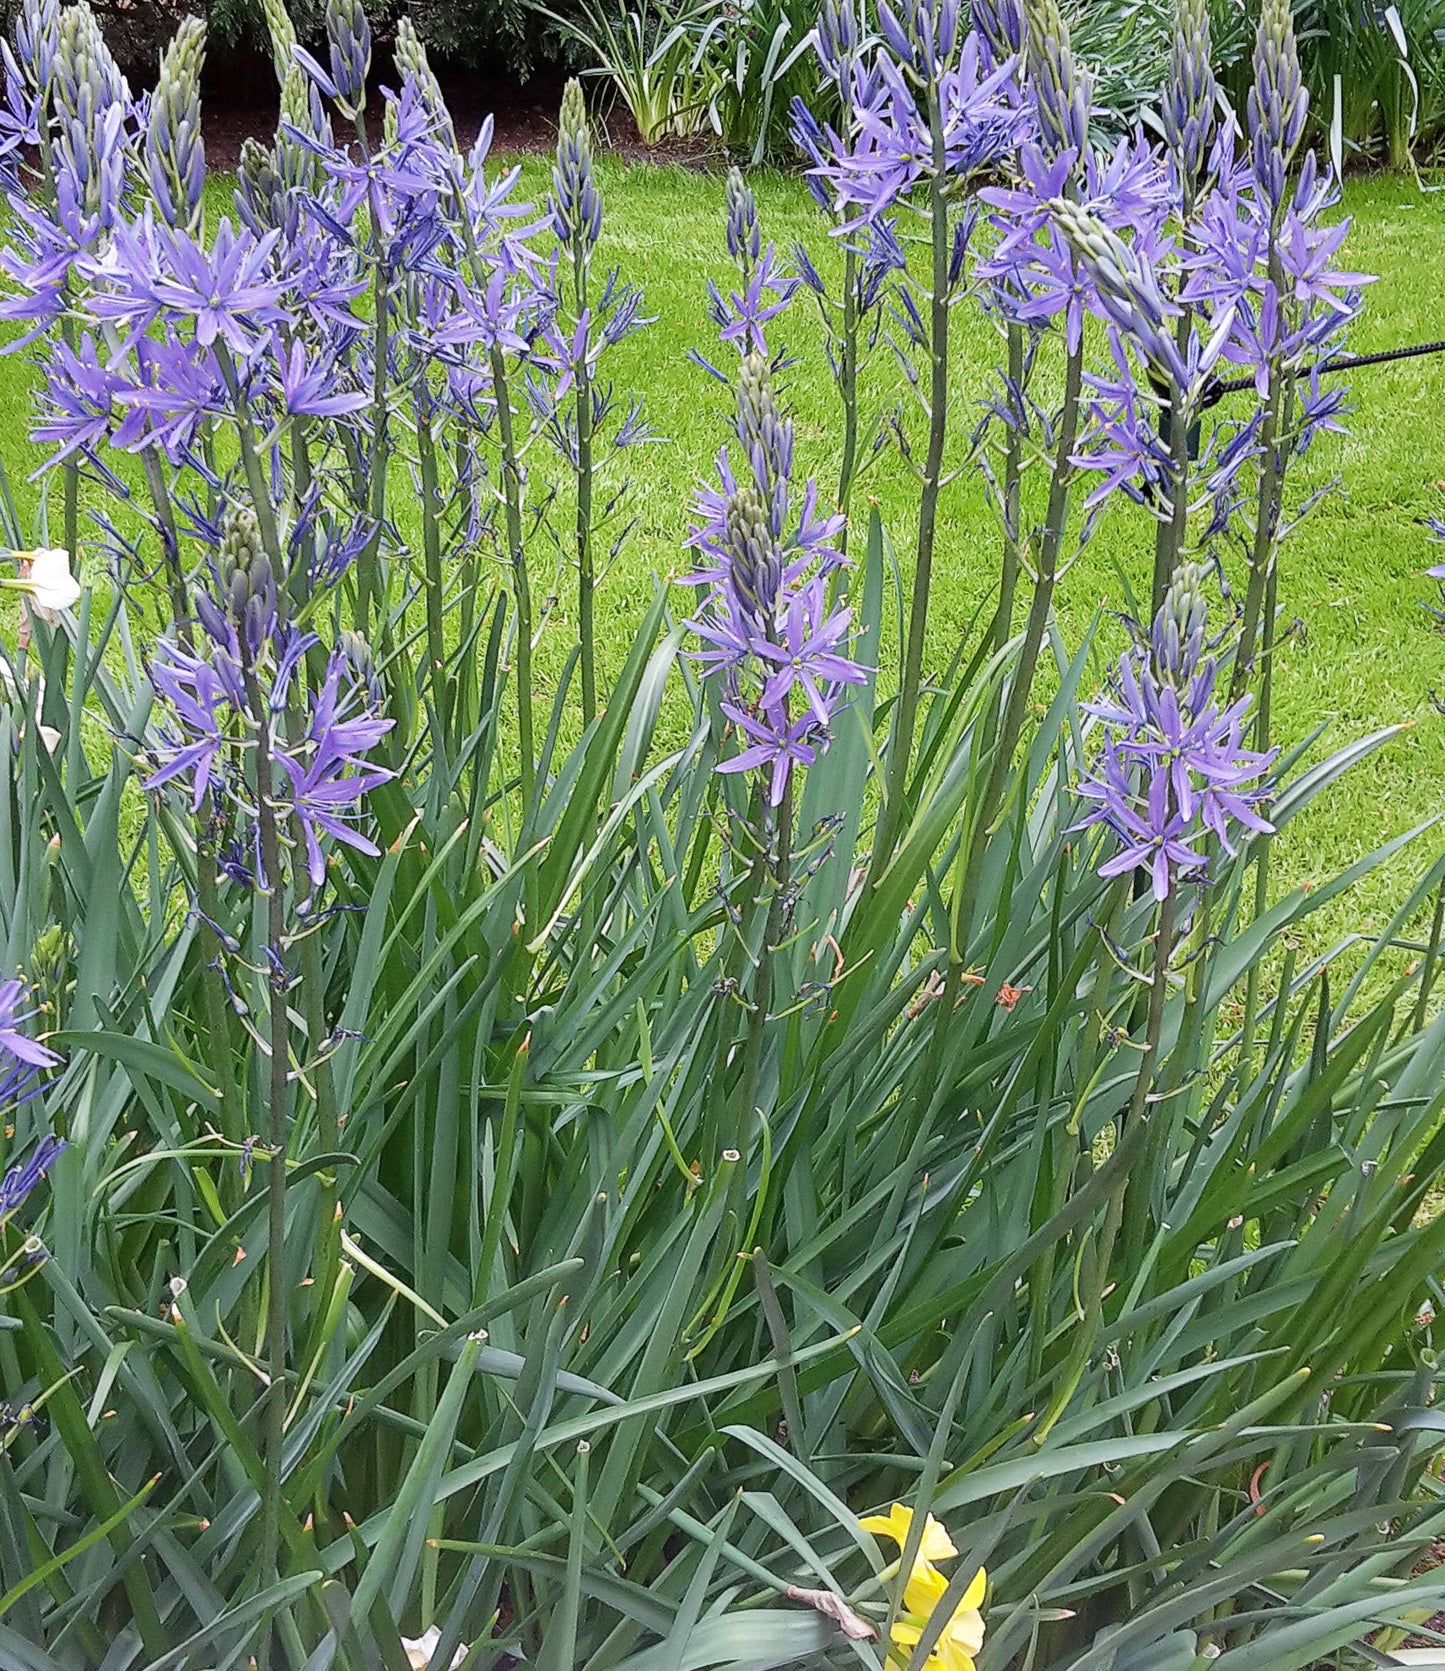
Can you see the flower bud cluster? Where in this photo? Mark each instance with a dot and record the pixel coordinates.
(576, 203)
(175, 154)
(1174, 768)
(1062, 90)
(37, 40)
(348, 35)
(1189, 98)
(744, 233)
(1278, 100)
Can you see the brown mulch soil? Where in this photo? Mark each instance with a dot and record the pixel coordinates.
(524, 122)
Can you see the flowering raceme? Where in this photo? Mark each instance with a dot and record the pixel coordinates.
(1196, 259)
(887, 144)
(235, 693)
(1173, 768)
(778, 646)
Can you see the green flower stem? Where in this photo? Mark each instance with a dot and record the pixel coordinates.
(1021, 685)
(1171, 533)
(251, 462)
(436, 647)
(1136, 1202)
(213, 995)
(368, 579)
(982, 812)
(1274, 445)
(586, 476)
(170, 543)
(905, 716)
(777, 869)
(278, 1044)
(1265, 564)
(1012, 496)
(848, 388)
(70, 470)
(521, 586)
(1129, 1192)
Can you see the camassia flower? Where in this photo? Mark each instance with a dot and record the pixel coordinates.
(770, 633)
(959, 1641)
(242, 685)
(1173, 768)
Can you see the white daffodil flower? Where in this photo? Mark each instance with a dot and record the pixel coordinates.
(46, 578)
(419, 1651)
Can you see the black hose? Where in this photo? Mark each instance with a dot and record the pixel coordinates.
(1217, 390)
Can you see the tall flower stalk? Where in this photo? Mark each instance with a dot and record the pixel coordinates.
(577, 216)
(935, 114)
(776, 642)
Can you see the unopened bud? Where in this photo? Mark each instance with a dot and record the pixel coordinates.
(744, 234)
(175, 154)
(259, 193)
(1061, 88)
(283, 38)
(348, 35)
(1001, 24)
(576, 205)
(1278, 101)
(37, 38)
(1188, 113)
(755, 563)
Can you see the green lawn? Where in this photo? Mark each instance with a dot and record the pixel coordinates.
(1364, 652)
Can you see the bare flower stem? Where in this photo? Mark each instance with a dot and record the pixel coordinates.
(776, 872)
(1012, 497)
(905, 716)
(278, 1045)
(1137, 1190)
(586, 476)
(432, 587)
(521, 586)
(848, 388)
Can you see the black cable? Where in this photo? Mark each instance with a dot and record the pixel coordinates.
(1217, 390)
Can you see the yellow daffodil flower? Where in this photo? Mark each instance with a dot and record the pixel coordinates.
(961, 1638)
(936, 1544)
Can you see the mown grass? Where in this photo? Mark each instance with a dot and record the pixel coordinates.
(1362, 653)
